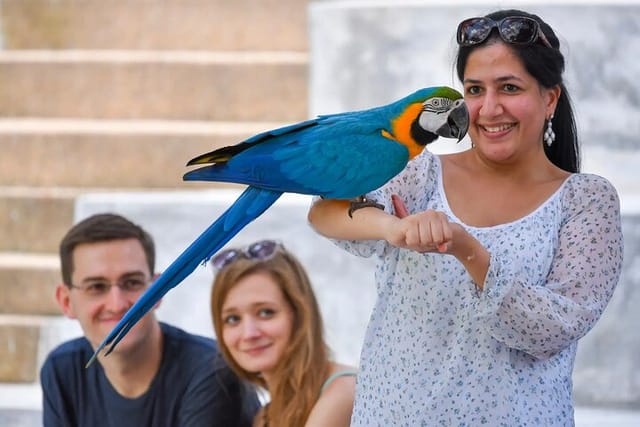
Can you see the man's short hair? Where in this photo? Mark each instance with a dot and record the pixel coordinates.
(103, 228)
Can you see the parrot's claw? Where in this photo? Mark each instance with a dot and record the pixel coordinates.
(363, 202)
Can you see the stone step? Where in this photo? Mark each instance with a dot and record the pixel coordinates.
(25, 340)
(111, 153)
(167, 24)
(28, 282)
(221, 86)
(34, 219)
(19, 338)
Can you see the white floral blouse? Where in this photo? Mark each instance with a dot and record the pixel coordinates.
(438, 352)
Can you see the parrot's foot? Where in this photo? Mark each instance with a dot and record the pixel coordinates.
(363, 202)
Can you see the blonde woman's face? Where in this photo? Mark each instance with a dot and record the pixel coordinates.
(257, 322)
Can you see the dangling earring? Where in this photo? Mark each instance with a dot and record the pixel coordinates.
(549, 134)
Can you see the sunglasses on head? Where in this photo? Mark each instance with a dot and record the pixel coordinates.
(512, 29)
(261, 251)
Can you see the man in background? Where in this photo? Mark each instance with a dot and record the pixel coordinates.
(158, 375)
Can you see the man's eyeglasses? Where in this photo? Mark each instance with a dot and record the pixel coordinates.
(99, 288)
(512, 29)
(262, 251)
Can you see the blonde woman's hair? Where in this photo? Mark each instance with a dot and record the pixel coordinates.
(305, 363)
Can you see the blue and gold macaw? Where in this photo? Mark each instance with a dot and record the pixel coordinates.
(337, 156)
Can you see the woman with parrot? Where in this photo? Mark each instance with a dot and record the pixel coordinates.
(492, 262)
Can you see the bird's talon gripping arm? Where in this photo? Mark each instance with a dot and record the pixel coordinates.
(363, 202)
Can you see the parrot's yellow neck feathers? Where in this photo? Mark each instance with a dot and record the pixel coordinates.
(401, 128)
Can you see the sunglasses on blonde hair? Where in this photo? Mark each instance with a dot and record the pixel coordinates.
(512, 29)
(261, 251)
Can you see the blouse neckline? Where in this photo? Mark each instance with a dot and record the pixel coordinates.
(449, 211)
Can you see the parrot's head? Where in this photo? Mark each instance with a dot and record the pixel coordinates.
(445, 114)
(429, 113)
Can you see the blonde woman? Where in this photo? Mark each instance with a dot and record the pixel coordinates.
(270, 331)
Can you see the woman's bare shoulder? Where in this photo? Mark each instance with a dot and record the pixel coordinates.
(335, 404)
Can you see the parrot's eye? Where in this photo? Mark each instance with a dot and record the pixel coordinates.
(437, 105)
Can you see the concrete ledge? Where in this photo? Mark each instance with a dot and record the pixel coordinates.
(168, 24)
(27, 283)
(154, 87)
(22, 215)
(72, 153)
(18, 350)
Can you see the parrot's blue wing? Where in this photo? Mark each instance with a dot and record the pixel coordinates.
(312, 162)
(249, 205)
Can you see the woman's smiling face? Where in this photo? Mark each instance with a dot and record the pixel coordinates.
(257, 323)
(507, 106)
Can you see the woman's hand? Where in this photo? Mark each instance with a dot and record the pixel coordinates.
(426, 231)
(431, 231)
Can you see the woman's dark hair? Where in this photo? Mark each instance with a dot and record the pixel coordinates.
(546, 65)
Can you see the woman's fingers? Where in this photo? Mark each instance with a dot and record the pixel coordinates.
(424, 231)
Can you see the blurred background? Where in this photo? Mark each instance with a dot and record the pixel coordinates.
(103, 103)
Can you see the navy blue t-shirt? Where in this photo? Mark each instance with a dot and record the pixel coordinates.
(193, 387)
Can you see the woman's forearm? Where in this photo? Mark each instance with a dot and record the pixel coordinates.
(330, 218)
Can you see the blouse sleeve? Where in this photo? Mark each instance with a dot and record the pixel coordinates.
(542, 319)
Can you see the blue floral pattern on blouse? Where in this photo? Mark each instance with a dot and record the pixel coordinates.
(438, 352)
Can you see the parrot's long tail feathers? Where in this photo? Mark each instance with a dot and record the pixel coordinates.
(251, 204)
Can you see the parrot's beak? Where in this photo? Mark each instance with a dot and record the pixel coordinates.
(457, 122)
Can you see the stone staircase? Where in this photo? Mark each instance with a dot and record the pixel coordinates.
(117, 96)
